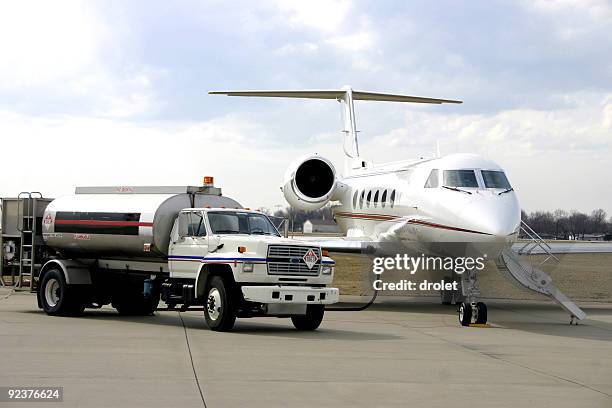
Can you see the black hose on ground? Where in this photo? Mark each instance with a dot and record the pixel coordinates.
(354, 309)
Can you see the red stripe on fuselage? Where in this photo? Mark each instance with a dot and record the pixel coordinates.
(378, 217)
(446, 227)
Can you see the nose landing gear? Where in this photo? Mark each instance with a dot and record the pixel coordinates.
(470, 310)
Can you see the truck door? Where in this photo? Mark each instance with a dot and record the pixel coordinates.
(191, 245)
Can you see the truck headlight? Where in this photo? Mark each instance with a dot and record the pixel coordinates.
(326, 270)
(247, 267)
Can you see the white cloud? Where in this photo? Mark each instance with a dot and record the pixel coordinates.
(67, 53)
(45, 41)
(324, 15)
(596, 9)
(574, 19)
(355, 42)
(297, 48)
(579, 127)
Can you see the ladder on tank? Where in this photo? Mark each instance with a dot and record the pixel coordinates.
(26, 213)
(525, 274)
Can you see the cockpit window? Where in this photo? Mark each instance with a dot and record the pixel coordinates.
(495, 179)
(432, 180)
(460, 178)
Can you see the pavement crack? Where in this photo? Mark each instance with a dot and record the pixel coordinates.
(8, 295)
(195, 374)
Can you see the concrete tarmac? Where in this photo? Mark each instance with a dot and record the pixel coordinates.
(411, 352)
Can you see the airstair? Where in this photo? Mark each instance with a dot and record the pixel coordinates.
(526, 274)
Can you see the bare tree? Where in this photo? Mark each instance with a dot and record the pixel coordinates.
(597, 221)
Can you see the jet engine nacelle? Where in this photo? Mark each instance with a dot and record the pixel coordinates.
(309, 182)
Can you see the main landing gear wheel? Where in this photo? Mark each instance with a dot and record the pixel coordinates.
(219, 310)
(465, 314)
(481, 313)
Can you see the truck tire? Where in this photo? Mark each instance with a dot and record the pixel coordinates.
(311, 320)
(132, 302)
(219, 307)
(57, 297)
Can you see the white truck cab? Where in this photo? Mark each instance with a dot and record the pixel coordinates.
(258, 271)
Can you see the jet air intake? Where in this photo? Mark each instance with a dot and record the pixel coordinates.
(309, 182)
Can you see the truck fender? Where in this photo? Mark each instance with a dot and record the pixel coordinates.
(74, 272)
(208, 270)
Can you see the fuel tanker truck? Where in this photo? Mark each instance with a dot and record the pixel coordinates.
(190, 247)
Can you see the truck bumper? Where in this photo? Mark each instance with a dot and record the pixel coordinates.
(296, 295)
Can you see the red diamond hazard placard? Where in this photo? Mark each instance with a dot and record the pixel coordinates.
(310, 258)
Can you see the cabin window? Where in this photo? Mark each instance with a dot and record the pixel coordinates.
(355, 198)
(361, 199)
(369, 199)
(460, 178)
(392, 198)
(432, 180)
(383, 199)
(495, 179)
(376, 198)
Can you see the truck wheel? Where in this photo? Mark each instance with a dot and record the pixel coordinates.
(311, 320)
(220, 307)
(57, 297)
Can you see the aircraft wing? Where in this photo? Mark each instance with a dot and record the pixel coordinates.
(337, 244)
(354, 245)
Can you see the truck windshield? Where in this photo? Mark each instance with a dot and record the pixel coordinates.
(237, 222)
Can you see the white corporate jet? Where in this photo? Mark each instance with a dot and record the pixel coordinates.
(418, 205)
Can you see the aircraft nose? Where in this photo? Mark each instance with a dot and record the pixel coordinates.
(497, 216)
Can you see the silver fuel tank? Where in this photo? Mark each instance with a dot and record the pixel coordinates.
(122, 221)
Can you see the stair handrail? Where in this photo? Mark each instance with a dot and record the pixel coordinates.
(535, 240)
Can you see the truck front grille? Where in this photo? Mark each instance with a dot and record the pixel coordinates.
(289, 260)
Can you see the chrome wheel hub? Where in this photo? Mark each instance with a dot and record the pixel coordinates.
(52, 292)
(213, 304)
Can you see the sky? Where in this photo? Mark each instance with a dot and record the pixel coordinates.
(115, 93)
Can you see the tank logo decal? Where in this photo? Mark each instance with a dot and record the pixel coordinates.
(47, 235)
(81, 237)
(125, 189)
(47, 221)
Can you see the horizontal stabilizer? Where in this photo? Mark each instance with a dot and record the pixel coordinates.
(336, 94)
